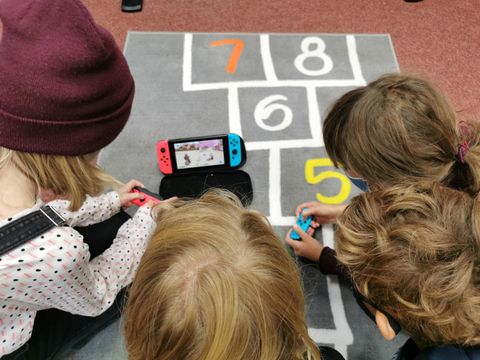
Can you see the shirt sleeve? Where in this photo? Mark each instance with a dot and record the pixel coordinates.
(111, 271)
(56, 271)
(93, 210)
(329, 265)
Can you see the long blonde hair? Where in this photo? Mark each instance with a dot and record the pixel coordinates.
(73, 177)
(415, 251)
(216, 283)
(401, 128)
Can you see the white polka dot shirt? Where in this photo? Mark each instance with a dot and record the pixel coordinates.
(54, 270)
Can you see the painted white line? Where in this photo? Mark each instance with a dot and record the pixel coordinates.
(268, 66)
(354, 62)
(394, 55)
(267, 84)
(329, 336)
(283, 144)
(338, 310)
(282, 220)
(325, 336)
(234, 121)
(275, 181)
(328, 236)
(314, 115)
(126, 43)
(187, 61)
(344, 335)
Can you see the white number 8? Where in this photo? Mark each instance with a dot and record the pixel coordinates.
(313, 47)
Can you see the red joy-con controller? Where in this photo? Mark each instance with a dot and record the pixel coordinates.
(148, 196)
(163, 155)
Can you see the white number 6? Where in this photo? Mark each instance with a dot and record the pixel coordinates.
(266, 107)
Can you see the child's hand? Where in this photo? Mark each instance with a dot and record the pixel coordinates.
(307, 247)
(323, 214)
(125, 194)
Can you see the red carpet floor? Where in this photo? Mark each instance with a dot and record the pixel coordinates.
(439, 39)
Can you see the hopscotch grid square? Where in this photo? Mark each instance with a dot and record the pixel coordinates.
(314, 122)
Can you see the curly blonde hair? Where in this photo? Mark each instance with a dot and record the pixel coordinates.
(216, 283)
(401, 128)
(415, 251)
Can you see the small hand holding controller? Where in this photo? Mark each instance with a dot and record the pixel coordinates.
(148, 196)
(302, 224)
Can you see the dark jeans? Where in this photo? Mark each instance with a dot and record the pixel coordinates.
(55, 331)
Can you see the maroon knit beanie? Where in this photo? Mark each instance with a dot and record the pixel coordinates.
(65, 86)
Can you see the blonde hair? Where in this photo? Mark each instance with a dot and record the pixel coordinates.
(400, 128)
(415, 251)
(216, 283)
(72, 176)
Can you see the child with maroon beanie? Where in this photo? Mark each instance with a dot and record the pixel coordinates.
(65, 93)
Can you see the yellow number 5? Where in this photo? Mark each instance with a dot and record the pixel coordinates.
(311, 178)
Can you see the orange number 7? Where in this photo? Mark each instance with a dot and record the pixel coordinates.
(238, 46)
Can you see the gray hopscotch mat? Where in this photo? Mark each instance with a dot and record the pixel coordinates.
(273, 90)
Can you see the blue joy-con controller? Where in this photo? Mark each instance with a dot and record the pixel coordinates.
(302, 224)
(235, 149)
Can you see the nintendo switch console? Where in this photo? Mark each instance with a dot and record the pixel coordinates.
(201, 153)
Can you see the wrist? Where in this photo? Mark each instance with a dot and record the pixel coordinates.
(339, 210)
(117, 198)
(314, 254)
(320, 253)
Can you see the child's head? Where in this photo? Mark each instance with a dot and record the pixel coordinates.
(216, 283)
(398, 128)
(415, 253)
(65, 87)
(72, 176)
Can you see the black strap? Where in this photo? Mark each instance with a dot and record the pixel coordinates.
(28, 227)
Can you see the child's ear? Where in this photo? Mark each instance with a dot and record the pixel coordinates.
(384, 326)
(47, 195)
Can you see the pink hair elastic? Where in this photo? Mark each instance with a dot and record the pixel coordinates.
(462, 150)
